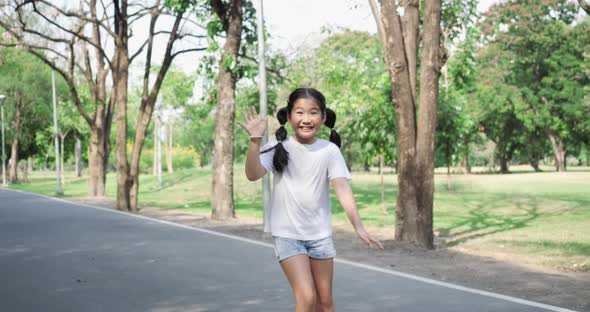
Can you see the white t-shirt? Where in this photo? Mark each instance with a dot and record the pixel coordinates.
(300, 203)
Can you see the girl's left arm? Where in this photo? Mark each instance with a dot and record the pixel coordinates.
(346, 198)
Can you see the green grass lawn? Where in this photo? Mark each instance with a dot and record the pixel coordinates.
(544, 217)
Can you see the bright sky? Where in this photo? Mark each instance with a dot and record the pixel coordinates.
(290, 23)
(294, 22)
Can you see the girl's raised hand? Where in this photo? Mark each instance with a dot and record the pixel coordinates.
(254, 125)
(365, 237)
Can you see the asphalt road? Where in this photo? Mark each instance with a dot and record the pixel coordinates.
(60, 256)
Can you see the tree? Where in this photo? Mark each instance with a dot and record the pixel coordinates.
(177, 89)
(25, 81)
(497, 104)
(230, 17)
(543, 54)
(64, 28)
(400, 37)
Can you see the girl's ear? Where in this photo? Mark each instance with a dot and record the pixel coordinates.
(324, 117)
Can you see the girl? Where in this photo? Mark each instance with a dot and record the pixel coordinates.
(300, 214)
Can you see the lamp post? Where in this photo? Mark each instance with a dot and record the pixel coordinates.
(263, 100)
(59, 190)
(2, 98)
(158, 138)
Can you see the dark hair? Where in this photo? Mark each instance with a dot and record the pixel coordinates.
(281, 156)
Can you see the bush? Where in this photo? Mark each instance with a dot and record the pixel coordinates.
(182, 158)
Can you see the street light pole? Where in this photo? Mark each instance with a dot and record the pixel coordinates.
(2, 98)
(59, 190)
(263, 103)
(157, 124)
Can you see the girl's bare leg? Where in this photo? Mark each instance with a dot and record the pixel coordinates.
(298, 271)
(323, 271)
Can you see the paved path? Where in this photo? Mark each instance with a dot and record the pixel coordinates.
(60, 256)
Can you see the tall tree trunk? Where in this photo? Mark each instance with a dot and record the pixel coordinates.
(13, 170)
(120, 85)
(148, 101)
(381, 174)
(222, 198)
(431, 63)
(448, 176)
(415, 141)
(466, 164)
(558, 145)
(156, 139)
(403, 100)
(25, 171)
(78, 157)
(169, 149)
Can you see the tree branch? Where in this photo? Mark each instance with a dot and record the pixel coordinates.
(146, 76)
(187, 51)
(82, 17)
(269, 69)
(585, 6)
(378, 20)
(75, 34)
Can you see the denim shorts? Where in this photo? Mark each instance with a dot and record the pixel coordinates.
(316, 249)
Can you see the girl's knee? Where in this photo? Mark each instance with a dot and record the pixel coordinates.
(305, 298)
(326, 304)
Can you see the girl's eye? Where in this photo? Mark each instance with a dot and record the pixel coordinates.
(298, 113)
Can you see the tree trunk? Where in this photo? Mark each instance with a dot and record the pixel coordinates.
(535, 164)
(25, 171)
(431, 63)
(410, 29)
(156, 139)
(558, 145)
(169, 149)
(448, 176)
(147, 104)
(78, 157)
(97, 163)
(222, 201)
(466, 164)
(13, 170)
(120, 85)
(415, 141)
(504, 164)
(382, 173)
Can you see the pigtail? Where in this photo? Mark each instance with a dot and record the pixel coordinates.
(330, 122)
(281, 156)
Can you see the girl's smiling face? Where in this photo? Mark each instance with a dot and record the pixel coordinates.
(306, 118)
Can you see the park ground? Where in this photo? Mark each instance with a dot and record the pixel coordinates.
(523, 234)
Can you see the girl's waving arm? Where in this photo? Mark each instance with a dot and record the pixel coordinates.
(255, 128)
(346, 198)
